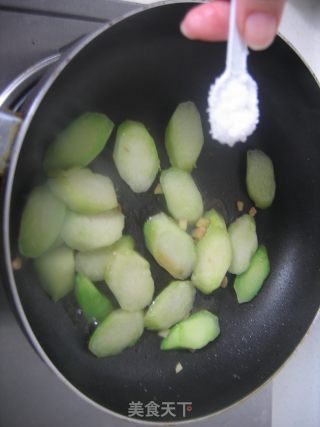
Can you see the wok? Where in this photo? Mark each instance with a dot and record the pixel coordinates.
(140, 68)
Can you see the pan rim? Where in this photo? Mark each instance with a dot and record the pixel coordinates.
(8, 184)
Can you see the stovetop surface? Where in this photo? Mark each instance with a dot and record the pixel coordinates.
(30, 394)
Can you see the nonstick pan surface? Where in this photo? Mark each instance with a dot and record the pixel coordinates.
(140, 69)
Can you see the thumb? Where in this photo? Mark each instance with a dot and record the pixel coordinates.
(258, 21)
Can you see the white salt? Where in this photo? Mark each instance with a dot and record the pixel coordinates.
(233, 108)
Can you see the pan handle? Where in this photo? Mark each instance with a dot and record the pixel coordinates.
(9, 125)
(24, 81)
(10, 119)
(14, 96)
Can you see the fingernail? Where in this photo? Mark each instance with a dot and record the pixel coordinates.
(260, 30)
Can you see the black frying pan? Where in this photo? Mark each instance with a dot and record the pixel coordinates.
(141, 68)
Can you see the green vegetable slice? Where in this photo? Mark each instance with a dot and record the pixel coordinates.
(248, 284)
(128, 276)
(193, 333)
(41, 222)
(135, 155)
(56, 272)
(244, 243)
(119, 330)
(214, 256)
(172, 305)
(184, 136)
(93, 264)
(79, 143)
(260, 179)
(182, 196)
(171, 247)
(83, 191)
(88, 232)
(94, 305)
(215, 218)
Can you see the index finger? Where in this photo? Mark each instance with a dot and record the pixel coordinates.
(208, 21)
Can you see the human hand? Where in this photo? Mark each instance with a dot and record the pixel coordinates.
(258, 21)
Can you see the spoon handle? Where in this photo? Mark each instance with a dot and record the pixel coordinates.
(237, 50)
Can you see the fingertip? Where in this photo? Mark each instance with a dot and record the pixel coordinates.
(258, 21)
(208, 21)
(192, 24)
(260, 30)
(188, 26)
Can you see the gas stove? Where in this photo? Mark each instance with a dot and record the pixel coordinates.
(32, 34)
